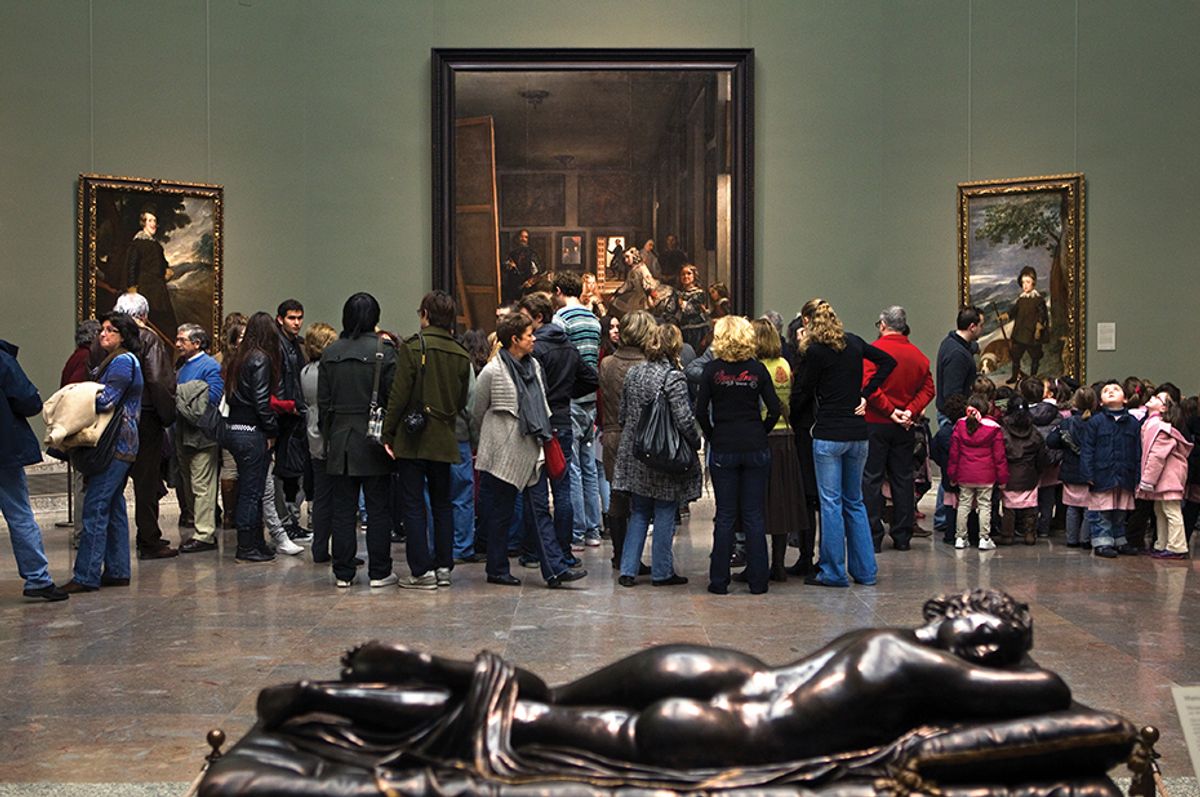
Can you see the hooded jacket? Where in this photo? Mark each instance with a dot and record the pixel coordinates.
(18, 445)
(977, 457)
(1046, 418)
(1165, 452)
(1065, 438)
(568, 376)
(1026, 453)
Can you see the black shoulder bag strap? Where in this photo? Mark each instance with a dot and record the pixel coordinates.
(378, 368)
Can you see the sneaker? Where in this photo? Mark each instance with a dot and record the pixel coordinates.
(284, 544)
(345, 583)
(423, 581)
(986, 544)
(592, 542)
(960, 543)
(1165, 554)
(442, 576)
(529, 561)
(578, 547)
(389, 580)
(297, 533)
(50, 594)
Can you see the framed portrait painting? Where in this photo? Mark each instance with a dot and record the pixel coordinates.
(1021, 260)
(161, 239)
(571, 248)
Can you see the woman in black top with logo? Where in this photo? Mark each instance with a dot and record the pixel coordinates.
(833, 377)
(733, 389)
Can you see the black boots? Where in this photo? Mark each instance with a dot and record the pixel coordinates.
(252, 548)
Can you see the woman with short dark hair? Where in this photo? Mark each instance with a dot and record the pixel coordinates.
(103, 556)
(346, 389)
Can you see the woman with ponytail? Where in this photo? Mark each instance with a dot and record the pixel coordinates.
(976, 464)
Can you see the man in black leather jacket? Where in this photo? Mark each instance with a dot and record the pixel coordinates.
(291, 455)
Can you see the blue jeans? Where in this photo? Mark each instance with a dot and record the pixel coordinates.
(499, 501)
(564, 493)
(585, 486)
(249, 450)
(739, 480)
(662, 564)
(105, 538)
(1108, 527)
(462, 499)
(845, 530)
(23, 530)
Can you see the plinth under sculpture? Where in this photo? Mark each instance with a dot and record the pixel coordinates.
(955, 705)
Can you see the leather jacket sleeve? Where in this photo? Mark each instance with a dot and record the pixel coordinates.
(258, 379)
(159, 373)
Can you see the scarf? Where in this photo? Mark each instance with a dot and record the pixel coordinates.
(531, 399)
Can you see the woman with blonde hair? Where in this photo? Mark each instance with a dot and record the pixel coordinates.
(833, 378)
(733, 388)
(654, 495)
(785, 489)
(636, 330)
(320, 512)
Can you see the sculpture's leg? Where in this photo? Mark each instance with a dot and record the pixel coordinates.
(373, 705)
(646, 677)
(377, 662)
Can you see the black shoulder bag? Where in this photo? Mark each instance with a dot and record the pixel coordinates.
(657, 441)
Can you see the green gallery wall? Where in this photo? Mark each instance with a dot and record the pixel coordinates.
(314, 115)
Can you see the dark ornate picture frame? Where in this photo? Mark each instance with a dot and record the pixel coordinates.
(189, 234)
(738, 116)
(1004, 227)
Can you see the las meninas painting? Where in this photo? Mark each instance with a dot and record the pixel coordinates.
(1021, 261)
(160, 239)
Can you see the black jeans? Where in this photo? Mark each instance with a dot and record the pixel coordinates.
(322, 510)
(375, 490)
(249, 449)
(147, 477)
(739, 480)
(890, 451)
(497, 500)
(414, 475)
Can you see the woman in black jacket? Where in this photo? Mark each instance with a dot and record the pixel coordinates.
(833, 377)
(251, 374)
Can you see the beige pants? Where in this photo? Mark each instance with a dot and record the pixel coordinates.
(200, 470)
(1168, 521)
(981, 496)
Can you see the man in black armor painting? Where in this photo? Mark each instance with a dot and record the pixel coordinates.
(519, 266)
(147, 271)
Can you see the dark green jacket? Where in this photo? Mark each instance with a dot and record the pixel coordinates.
(344, 381)
(443, 396)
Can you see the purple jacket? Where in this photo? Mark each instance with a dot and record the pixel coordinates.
(1164, 461)
(977, 458)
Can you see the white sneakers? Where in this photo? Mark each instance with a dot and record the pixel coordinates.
(986, 544)
(423, 581)
(345, 583)
(442, 576)
(960, 543)
(387, 581)
(284, 544)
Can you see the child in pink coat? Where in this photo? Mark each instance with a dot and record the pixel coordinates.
(976, 464)
(1164, 474)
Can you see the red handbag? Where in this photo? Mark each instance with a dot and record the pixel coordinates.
(556, 463)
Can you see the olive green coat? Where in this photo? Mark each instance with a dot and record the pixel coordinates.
(344, 380)
(444, 391)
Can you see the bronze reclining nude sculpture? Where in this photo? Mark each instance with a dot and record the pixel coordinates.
(955, 701)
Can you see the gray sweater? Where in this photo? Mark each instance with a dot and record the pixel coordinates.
(503, 451)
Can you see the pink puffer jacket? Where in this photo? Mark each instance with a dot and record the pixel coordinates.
(977, 458)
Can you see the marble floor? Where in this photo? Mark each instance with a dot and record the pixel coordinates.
(120, 686)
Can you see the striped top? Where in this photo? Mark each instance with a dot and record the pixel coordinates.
(583, 330)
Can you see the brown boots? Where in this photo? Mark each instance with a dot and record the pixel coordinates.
(1028, 522)
(229, 493)
(1011, 523)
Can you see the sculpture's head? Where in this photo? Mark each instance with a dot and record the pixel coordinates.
(983, 626)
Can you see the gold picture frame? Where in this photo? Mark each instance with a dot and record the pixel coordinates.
(1005, 229)
(112, 243)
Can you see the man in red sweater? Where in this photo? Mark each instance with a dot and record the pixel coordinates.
(892, 411)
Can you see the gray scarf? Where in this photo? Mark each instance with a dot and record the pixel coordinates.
(531, 400)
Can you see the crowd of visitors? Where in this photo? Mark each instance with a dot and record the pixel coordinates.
(572, 423)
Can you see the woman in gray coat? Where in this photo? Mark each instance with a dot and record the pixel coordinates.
(654, 494)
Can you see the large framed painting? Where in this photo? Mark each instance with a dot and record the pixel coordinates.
(161, 239)
(583, 146)
(1021, 260)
